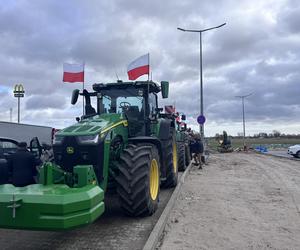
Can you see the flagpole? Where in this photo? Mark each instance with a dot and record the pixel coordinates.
(149, 74)
(83, 89)
(146, 130)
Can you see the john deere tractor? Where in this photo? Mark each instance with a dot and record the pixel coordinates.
(123, 144)
(182, 139)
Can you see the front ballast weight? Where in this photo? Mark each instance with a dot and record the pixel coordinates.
(53, 204)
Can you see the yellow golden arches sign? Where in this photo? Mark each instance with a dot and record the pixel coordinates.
(19, 90)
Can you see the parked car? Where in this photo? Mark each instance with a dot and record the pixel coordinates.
(294, 150)
(7, 147)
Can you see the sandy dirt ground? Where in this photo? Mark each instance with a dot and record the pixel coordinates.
(238, 201)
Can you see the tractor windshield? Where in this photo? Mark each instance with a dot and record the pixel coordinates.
(121, 100)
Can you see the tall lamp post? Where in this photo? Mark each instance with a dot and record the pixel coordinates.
(202, 120)
(19, 92)
(243, 110)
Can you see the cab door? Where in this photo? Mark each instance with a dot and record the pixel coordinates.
(35, 148)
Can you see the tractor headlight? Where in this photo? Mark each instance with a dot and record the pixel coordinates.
(58, 139)
(88, 139)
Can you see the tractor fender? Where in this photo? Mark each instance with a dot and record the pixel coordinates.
(147, 139)
(164, 128)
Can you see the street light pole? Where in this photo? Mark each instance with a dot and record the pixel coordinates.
(201, 126)
(18, 109)
(243, 111)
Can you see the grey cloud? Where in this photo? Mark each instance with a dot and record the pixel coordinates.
(257, 51)
(45, 102)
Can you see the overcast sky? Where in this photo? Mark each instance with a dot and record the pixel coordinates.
(257, 51)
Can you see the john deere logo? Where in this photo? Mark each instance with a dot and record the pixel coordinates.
(70, 150)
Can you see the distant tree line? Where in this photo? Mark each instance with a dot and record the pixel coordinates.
(274, 134)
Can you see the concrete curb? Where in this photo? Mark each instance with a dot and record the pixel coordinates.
(161, 223)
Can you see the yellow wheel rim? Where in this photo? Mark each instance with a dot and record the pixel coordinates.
(154, 179)
(174, 157)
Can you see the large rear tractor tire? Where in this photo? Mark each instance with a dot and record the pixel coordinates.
(169, 149)
(181, 156)
(139, 180)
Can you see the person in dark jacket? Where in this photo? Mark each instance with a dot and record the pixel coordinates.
(23, 166)
(197, 149)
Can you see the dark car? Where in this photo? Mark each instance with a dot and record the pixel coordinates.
(7, 147)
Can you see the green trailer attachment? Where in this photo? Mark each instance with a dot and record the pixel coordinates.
(51, 206)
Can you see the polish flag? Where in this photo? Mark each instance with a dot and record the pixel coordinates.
(73, 72)
(169, 109)
(139, 67)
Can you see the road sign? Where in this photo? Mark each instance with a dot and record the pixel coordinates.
(201, 119)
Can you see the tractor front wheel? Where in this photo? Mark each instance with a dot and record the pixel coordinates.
(139, 180)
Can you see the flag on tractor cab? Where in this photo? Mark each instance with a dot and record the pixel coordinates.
(169, 109)
(139, 67)
(73, 72)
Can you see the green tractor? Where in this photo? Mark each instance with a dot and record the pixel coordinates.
(182, 139)
(124, 145)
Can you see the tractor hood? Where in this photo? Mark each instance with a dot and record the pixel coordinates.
(94, 125)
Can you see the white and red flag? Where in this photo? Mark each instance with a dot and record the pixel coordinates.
(139, 67)
(169, 109)
(73, 72)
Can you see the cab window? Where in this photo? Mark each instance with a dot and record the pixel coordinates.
(8, 145)
(152, 103)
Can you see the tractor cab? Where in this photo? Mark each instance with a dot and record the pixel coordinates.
(136, 100)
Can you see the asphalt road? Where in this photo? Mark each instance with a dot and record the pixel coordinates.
(282, 153)
(113, 230)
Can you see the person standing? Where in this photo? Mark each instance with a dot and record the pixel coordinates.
(23, 166)
(198, 151)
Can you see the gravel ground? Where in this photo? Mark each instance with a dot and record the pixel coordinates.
(238, 201)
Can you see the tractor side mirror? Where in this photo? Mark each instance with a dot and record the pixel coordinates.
(158, 110)
(75, 95)
(183, 117)
(164, 89)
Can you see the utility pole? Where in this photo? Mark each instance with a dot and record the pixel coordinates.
(201, 118)
(243, 113)
(19, 92)
(10, 114)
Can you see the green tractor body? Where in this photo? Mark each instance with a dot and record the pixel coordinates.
(124, 145)
(183, 142)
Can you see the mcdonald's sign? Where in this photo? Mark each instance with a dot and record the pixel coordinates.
(19, 90)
